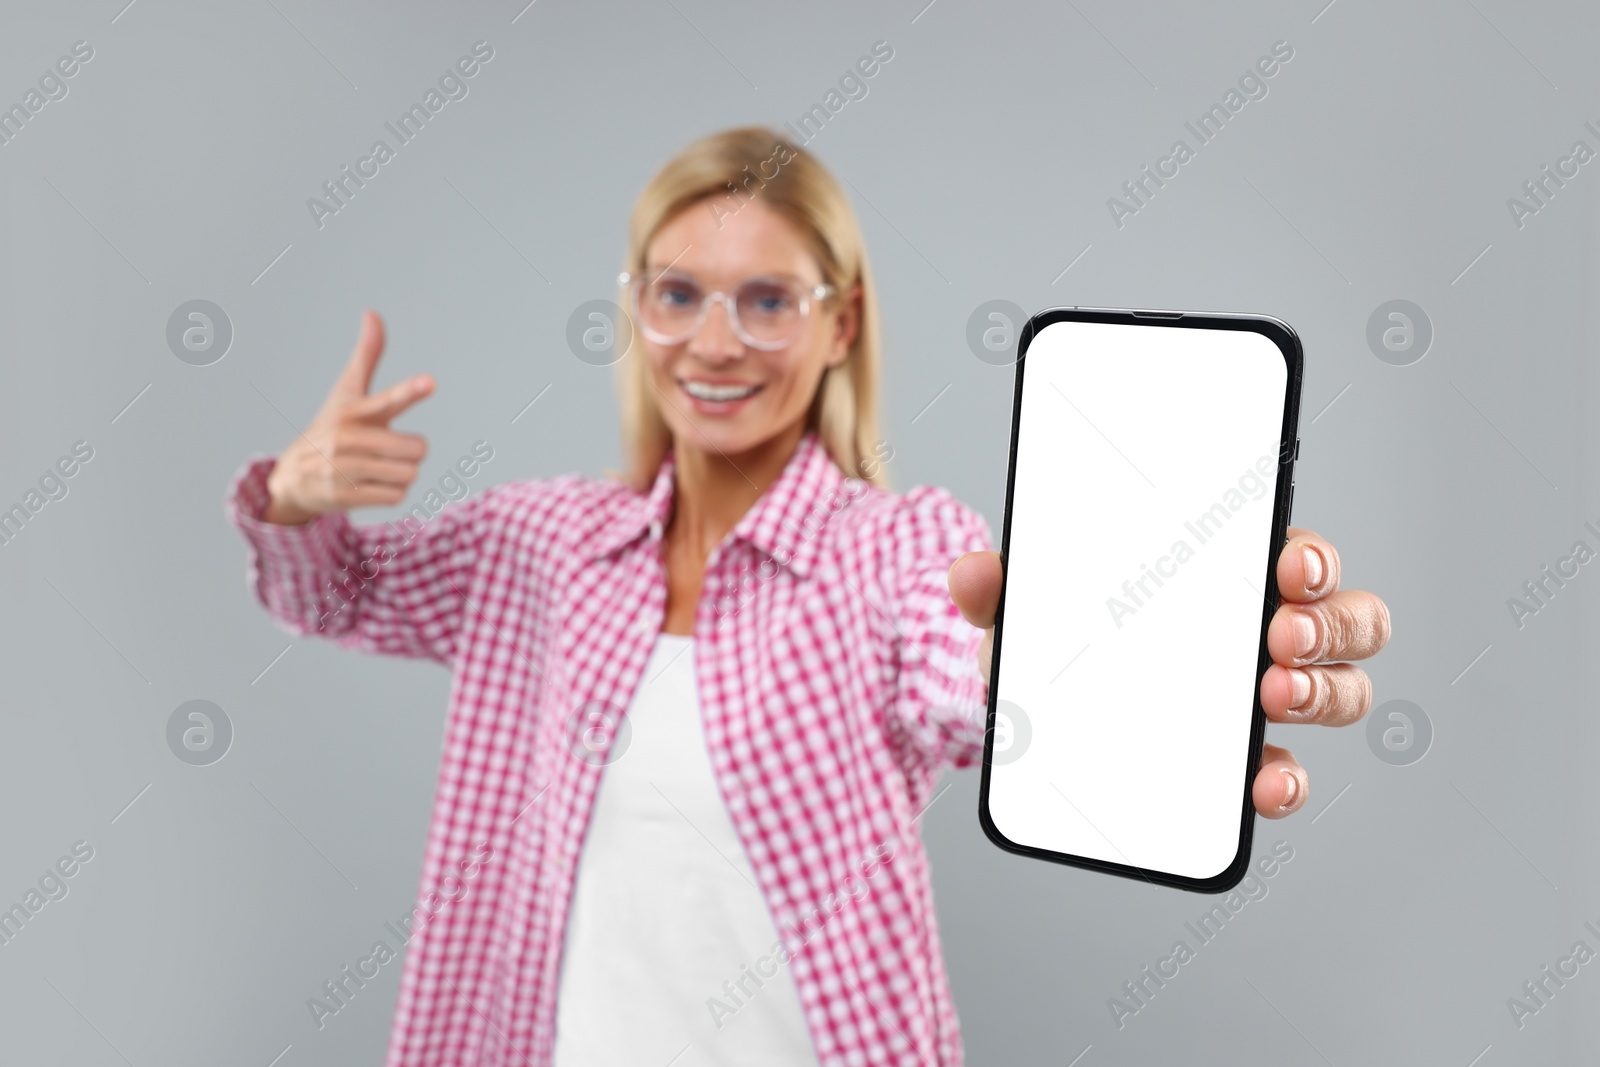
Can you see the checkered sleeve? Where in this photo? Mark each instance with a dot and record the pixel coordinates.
(940, 696)
(397, 588)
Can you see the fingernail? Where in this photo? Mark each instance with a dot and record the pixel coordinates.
(1313, 566)
(1299, 688)
(1291, 790)
(1305, 634)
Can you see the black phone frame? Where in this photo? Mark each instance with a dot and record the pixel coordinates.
(1288, 343)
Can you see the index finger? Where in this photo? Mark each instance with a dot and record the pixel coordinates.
(1308, 567)
(381, 407)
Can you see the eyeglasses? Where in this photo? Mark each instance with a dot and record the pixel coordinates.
(765, 313)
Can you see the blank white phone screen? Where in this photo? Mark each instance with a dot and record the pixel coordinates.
(1140, 534)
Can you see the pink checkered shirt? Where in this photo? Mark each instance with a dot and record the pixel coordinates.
(837, 680)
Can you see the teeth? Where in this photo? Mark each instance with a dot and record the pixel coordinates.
(706, 391)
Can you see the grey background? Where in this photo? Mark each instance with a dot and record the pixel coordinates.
(1377, 168)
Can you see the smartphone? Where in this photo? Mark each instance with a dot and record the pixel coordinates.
(1148, 495)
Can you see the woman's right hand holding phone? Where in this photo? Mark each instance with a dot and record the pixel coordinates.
(348, 457)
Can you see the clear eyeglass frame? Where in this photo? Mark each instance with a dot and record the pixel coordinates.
(635, 284)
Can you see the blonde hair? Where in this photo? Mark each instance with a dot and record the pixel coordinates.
(735, 165)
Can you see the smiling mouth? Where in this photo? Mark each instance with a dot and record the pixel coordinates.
(717, 393)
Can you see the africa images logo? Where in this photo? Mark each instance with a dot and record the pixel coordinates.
(338, 991)
(1140, 189)
(342, 188)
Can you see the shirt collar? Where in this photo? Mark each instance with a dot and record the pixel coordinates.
(785, 523)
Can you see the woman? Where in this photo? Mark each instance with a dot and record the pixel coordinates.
(697, 711)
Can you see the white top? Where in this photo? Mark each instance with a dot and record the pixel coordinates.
(666, 919)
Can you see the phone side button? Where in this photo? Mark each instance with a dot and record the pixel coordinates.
(1288, 507)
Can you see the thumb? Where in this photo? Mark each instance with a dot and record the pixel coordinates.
(357, 376)
(975, 579)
